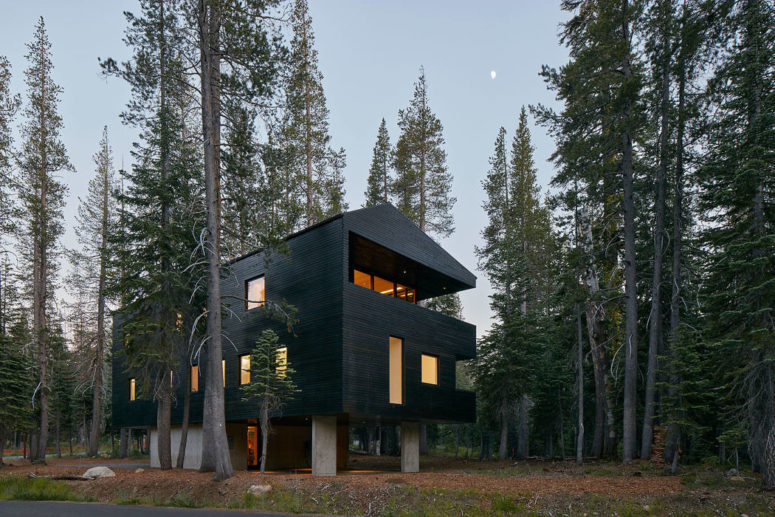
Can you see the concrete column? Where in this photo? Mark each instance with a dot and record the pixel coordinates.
(324, 445)
(410, 447)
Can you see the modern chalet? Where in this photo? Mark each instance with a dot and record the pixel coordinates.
(363, 348)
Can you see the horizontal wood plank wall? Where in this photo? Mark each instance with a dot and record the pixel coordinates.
(308, 277)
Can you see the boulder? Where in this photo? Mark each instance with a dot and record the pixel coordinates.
(99, 472)
(139, 471)
(259, 490)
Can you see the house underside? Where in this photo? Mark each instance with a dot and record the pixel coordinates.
(364, 351)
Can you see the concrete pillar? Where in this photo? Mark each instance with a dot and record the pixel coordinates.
(324, 445)
(410, 447)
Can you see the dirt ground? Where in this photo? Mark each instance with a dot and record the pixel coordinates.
(372, 484)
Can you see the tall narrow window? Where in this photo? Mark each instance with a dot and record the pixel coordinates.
(132, 386)
(429, 369)
(282, 360)
(223, 371)
(254, 292)
(194, 379)
(396, 370)
(244, 369)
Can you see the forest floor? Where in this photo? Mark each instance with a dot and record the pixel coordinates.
(445, 486)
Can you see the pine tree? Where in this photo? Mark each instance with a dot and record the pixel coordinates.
(305, 124)
(271, 384)
(161, 208)
(378, 188)
(236, 37)
(96, 217)
(42, 197)
(737, 182)
(423, 184)
(9, 105)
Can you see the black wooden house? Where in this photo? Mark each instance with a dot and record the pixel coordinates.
(364, 350)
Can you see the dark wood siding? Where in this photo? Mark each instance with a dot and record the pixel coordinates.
(339, 346)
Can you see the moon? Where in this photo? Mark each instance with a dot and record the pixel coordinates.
(492, 74)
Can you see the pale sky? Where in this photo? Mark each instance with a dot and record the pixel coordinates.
(370, 52)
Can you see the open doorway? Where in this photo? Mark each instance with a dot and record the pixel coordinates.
(254, 454)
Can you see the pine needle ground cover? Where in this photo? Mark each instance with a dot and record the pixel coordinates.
(444, 487)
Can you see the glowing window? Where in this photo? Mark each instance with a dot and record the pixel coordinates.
(194, 379)
(430, 369)
(254, 292)
(172, 380)
(383, 286)
(282, 360)
(223, 372)
(132, 386)
(244, 369)
(362, 279)
(396, 373)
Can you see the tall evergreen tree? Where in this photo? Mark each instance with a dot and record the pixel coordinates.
(738, 181)
(160, 209)
(42, 196)
(237, 58)
(423, 184)
(9, 105)
(305, 124)
(379, 180)
(96, 217)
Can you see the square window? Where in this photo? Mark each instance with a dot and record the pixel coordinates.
(254, 292)
(244, 369)
(430, 369)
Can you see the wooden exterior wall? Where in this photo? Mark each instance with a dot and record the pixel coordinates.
(339, 347)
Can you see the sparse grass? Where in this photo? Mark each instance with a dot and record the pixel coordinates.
(289, 501)
(36, 489)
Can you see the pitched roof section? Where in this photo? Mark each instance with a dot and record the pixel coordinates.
(385, 225)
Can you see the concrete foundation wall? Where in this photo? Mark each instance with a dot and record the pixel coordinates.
(324, 445)
(410, 447)
(193, 446)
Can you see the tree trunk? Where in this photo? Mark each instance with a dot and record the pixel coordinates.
(504, 415)
(673, 430)
(122, 443)
(163, 415)
(423, 439)
(580, 401)
(523, 437)
(96, 418)
(457, 440)
(264, 419)
(629, 424)
(2, 442)
(56, 424)
(216, 456)
(655, 321)
(184, 424)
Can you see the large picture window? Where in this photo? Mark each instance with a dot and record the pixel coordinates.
(282, 361)
(255, 292)
(396, 370)
(384, 286)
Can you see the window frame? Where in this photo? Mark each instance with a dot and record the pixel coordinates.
(245, 292)
(242, 372)
(193, 373)
(436, 360)
(402, 381)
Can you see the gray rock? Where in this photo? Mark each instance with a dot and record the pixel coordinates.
(732, 472)
(259, 490)
(99, 472)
